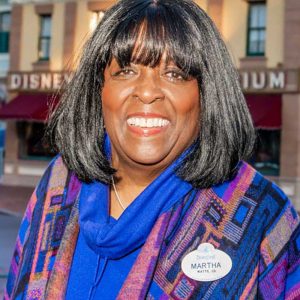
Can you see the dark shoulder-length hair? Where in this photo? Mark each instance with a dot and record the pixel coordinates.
(184, 31)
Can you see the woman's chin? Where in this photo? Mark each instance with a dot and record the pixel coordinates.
(150, 159)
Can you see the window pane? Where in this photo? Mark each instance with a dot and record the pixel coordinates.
(262, 38)
(257, 41)
(262, 16)
(257, 15)
(253, 41)
(253, 16)
(5, 22)
(44, 48)
(46, 26)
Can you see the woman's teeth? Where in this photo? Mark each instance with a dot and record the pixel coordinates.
(147, 122)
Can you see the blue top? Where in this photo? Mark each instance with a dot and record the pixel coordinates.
(100, 278)
(107, 248)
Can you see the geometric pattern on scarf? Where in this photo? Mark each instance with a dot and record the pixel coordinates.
(41, 232)
(244, 219)
(249, 218)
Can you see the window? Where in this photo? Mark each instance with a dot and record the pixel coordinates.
(4, 31)
(95, 19)
(32, 144)
(256, 29)
(45, 37)
(267, 153)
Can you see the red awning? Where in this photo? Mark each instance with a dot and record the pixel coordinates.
(32, 107)
(265, 110)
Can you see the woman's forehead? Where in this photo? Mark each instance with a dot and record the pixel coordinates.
(150, 40)
(141, 46)
(165, 60)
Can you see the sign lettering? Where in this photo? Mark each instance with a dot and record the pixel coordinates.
(262, 81)
(43, 81)
(266, 80)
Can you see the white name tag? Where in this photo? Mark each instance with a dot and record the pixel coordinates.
(206, 263)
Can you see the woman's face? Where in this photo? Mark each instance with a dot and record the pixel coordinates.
(151, 114)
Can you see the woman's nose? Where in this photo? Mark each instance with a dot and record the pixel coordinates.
(148, 89)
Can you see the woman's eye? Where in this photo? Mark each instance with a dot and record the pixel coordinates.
(124, 72)
(176, 75)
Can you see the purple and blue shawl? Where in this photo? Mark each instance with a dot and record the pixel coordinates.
(249, 218)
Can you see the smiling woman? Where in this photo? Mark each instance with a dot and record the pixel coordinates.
(155, 103)
(151, 115)
(149, 197)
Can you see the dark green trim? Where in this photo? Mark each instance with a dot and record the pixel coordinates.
(4, 42)
(4, 32)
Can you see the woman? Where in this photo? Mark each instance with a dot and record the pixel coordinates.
(149, 197)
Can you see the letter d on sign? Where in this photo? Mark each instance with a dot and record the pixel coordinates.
(15, 81)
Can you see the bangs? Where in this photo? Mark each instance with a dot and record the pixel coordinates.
(153, 33)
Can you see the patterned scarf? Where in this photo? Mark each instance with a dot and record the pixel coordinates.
(249, 218)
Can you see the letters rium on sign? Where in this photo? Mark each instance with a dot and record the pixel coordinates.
(263, 80)
(37, 81)
(206, 263)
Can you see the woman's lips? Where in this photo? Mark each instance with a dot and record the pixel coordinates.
(146, 125)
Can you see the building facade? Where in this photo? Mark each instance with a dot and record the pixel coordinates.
(263, 37)
(5, 18)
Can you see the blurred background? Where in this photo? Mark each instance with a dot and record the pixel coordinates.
(39, 44)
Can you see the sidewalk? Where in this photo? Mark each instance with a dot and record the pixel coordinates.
(8, 231)
(13, 201)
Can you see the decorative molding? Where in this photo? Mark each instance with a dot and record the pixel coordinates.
(44, 9)
(99, 5)
(42, 65)
(253, 61)
(256, 1)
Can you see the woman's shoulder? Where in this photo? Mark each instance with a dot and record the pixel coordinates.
(273, 206)
(56, 173)
(261, 189)
(251, 197)
(58, 185)
(56, 167)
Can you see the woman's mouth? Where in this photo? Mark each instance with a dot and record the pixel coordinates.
(147, 122)
(147, 126)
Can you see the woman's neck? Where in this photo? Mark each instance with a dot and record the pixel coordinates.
(129, 183)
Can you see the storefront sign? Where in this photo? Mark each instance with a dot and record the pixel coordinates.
(269, 81)
(42, 81)
(252, 81)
